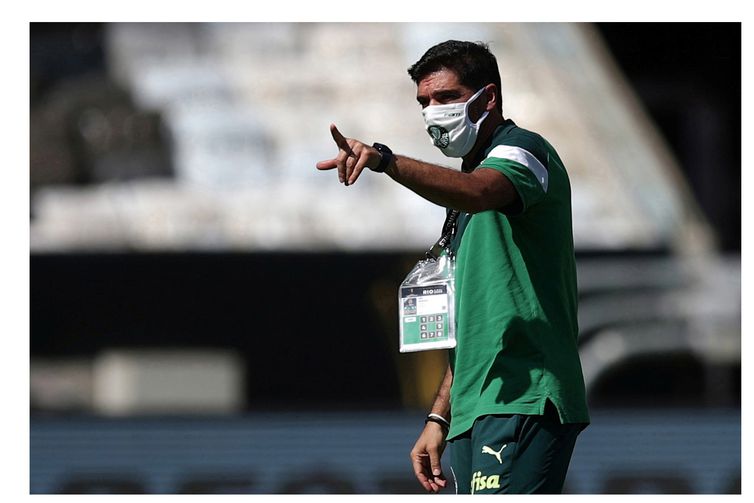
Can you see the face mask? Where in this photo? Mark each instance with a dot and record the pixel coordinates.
(450, 128)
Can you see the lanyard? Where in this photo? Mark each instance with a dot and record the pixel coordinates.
(448, 231)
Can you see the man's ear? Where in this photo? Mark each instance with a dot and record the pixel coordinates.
(493, 96)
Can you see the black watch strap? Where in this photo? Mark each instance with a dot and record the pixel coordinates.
(387, 156)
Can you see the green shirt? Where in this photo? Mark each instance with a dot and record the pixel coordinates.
(516, 293)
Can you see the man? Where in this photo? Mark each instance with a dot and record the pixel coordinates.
(512, 401)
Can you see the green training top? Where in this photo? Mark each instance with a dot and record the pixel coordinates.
(516, 293)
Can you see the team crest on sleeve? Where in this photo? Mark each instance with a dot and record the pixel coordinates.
(440, 136)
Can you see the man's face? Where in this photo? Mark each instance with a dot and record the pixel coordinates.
(443, 87)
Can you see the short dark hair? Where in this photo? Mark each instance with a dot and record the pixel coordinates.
(473, 62)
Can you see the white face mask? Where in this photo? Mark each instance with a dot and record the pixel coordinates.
(450, 128)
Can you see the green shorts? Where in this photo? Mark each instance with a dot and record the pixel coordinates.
(514, 454)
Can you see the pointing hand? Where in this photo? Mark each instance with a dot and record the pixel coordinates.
(353, 156)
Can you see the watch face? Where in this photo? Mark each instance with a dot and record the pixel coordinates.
(386, 154)
(382, 148)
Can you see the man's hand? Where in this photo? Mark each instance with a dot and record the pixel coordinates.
(425, 457)
(353, 156)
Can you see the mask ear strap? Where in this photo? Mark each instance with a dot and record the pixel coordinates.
(468, 104)
(481, 119)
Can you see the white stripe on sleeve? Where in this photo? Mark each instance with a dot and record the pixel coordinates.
(524, 157)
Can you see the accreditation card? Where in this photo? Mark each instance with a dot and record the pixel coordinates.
(426, 306)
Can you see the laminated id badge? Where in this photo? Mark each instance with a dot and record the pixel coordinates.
(426, 305)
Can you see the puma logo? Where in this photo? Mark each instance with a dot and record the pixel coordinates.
(497, 454)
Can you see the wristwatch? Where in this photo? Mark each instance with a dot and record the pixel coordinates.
(387, 156)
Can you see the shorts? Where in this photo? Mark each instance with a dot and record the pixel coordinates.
(514, 454)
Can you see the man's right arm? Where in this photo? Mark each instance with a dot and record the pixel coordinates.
(426, 454)
(480, 190)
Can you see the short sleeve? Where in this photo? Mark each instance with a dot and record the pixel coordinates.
(527, 174)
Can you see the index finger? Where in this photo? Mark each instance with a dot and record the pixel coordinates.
(421, 476)
(340, 140)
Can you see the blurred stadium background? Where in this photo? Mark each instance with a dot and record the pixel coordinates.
(210, 314)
